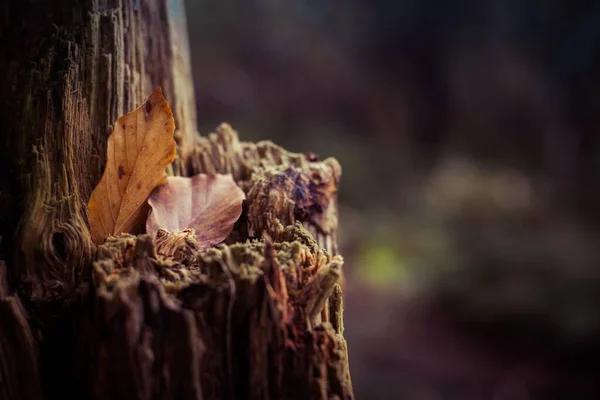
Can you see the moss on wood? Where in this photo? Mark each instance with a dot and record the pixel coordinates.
(259, 317)
(261, 323)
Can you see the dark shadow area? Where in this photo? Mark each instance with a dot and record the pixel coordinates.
(468, 136)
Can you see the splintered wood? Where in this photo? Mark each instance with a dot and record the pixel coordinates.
(281, 187)
(259, 316)
(265, 300)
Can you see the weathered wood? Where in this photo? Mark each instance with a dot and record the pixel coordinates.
(259, 317)
(234, 320)
(19, 378)
(306, 186)
(69, 69)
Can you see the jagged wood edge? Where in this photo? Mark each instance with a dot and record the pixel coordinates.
(139, 268)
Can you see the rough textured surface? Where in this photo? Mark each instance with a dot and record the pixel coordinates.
(19, 377)
(246, 321)
(259, 317)
(78, 65)
(282, 187)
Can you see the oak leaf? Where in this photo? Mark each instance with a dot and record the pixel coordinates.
(209, 204)
(139, 149)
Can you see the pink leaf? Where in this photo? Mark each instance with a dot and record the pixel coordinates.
(209, 204)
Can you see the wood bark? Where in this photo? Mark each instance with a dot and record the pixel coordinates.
(258, 317)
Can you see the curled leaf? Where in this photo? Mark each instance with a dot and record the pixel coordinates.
(209, 204)
(139, 149)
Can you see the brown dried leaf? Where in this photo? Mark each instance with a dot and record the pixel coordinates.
(209, 204)
(139, 149)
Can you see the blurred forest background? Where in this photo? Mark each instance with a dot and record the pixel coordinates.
(468, 135)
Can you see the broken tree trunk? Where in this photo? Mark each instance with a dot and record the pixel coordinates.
(258, 317)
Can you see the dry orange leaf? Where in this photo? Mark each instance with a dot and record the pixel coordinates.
(139, 149)
(209, 204)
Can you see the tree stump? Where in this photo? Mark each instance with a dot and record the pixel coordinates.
(257, 317)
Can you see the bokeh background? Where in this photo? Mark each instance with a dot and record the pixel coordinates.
(468, 132)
